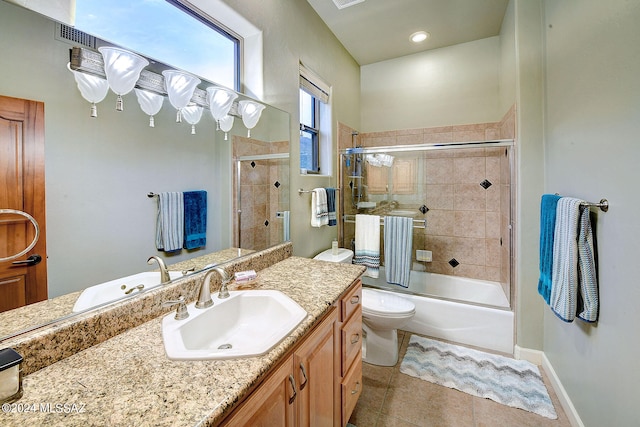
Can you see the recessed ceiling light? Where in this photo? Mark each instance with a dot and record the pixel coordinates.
(419, 36)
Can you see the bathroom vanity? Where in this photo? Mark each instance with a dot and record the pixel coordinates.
(128, 380)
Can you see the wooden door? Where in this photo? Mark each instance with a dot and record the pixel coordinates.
(23, 280)
(315, 371)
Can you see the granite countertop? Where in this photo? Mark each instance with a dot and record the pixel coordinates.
(128, 380)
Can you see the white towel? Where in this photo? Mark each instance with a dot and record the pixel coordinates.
(368, 243)
(564, 282)
(285, 227)
(319, 210)
(170, 222)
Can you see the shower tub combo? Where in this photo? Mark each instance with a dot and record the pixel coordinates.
(468, 311)
(438, 183)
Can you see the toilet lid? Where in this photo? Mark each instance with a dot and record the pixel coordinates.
(385, 303)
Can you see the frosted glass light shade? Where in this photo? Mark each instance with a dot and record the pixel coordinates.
(192, 114)
(250, 112)
(122, 69)
(226, 123)
(150, 103)
(180, 87)
(220, 102)
(92, 88)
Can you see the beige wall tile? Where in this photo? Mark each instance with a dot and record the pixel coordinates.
(469, 197)
(467, 170)
(439, 171)
(439, 222)
(469, 224)
(440, 196)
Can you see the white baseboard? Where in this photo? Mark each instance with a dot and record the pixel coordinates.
(539, 358)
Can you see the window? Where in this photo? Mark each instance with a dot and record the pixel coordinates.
(309, 133)
(315, 141)
(167, 31)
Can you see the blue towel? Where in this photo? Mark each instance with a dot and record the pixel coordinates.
(195, 219)
(587, 268)
(170, 222)
(548, 206)
(331, 205)
(564, 289)
(398, 239)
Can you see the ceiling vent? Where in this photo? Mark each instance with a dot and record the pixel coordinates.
(69, 34)
(341, 4)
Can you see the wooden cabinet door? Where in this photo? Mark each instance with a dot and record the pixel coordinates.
(315, 372)
(21, 189)
(377, 179)
(405, 176)
(271, 404)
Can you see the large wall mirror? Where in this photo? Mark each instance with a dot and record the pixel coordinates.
(100, 222)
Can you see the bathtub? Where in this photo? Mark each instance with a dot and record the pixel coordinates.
(467, 311)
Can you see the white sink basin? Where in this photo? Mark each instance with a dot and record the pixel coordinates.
(112, 290)
(248, 323)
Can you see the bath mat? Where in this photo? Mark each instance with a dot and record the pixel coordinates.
(515, 383)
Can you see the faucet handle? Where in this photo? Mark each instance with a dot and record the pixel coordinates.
(181, 311)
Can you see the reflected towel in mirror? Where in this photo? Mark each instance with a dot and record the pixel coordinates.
(170, 222)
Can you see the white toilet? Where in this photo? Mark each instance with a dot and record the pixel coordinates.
(344, 255)
(382, 314)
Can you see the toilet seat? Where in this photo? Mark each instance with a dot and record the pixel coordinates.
(385, 304)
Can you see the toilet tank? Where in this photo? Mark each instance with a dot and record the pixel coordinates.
(344, 255)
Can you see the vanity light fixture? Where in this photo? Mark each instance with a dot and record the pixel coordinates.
(122, 69)
(250, 112)
(180, 87)
(150, 103)
(93, 89)
(419, 36)
(226, 123)
(220, 102)
(192, 113)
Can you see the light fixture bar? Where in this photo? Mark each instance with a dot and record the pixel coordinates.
(90, 62)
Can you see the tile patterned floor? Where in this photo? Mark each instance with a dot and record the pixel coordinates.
(392, 399)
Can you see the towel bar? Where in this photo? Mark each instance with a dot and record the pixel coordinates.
(417, 223)
(301, 191)
(603, 204)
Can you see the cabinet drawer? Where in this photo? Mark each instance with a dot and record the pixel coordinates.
(351, 339)
(351, 302)
(351, 388)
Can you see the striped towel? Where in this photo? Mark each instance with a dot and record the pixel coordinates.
(319, 212)
(564, 288)
(331, 206)
(368, 243)
(170, 222)
(587, 268)
(398, 239)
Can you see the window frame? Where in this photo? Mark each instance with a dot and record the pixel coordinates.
(314, 130)
(223, 30)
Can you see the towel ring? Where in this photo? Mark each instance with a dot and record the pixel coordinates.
(35, 238)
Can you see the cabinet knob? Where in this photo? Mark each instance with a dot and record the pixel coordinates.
(304, 375)
(357, 388)
(293, 387)
(355, 299)
(355, 338)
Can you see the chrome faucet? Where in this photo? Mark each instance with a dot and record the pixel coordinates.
(204, 296)
(164, 273)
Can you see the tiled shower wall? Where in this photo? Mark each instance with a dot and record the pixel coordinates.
(467, 224)
(264, 191)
